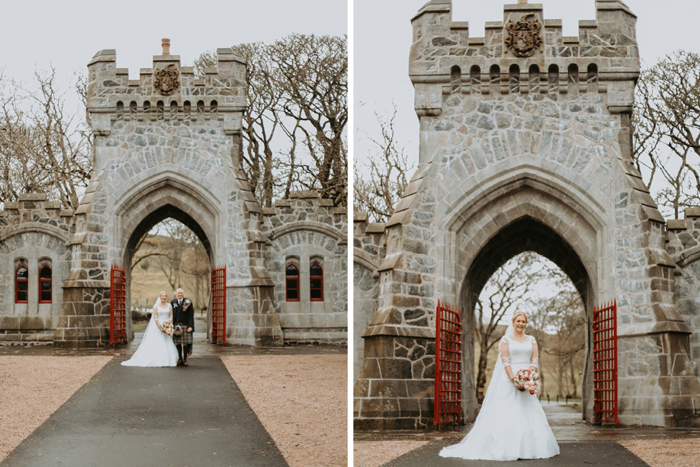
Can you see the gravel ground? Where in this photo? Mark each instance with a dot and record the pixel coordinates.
(32, 388)
(301, 401)
(665, 452)
(377, 453)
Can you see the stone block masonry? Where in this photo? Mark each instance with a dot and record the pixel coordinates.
(525, 146)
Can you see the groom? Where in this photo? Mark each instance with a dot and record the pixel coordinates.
(183, 314)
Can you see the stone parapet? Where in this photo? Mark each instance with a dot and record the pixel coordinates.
(444, 58)
(305, 207)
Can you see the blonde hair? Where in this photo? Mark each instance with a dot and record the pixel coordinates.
(519, 312)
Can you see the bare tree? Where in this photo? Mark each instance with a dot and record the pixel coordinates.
(311, 73)
(667, 129)
(388, 170)
(179, 255)
(559, 327)
(42, 149)
(297, 111)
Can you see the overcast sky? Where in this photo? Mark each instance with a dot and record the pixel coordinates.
(36, 34)
(383, 37)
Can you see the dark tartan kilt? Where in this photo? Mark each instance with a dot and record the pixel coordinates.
(184, 339)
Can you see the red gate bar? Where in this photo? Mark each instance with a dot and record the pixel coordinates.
(117, 306)
(218, 305)
(605, 363)
(448, 365)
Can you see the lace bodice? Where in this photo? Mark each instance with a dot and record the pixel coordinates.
(513, 351)
(162, 313)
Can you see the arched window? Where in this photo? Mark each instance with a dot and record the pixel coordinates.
(475, 77)
(45, 285)
(553, 78)
(292, 274)
(514, 79)
(534, 77)
(21, 285)
(495, 79)
(316, 283)
(456, 79)
(592, 77)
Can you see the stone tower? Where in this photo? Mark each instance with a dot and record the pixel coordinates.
(167, 145)
(525, 145)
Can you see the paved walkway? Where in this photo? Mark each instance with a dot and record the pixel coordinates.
(580, 444)
(129, 416)
(132, 417)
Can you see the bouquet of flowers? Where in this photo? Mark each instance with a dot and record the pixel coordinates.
(528, 379)
(167, 327)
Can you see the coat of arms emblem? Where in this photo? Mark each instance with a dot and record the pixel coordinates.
(523, 38)
(166, 80)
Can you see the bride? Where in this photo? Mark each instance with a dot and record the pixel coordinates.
(157, 348)
(511, 424)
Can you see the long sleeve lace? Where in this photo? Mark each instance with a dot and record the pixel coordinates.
(534, 358)
(504, 349)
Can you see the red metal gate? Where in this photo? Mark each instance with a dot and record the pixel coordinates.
(117, 306)
(448, 365)
(218, 305)
(605, 363)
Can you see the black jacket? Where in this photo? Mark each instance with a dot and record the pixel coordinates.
(181, 315)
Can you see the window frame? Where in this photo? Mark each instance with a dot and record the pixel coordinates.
(286, 283)
(17, 282)
(50, 281)
(311, 278)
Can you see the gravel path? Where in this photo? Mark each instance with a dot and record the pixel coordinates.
(302, 402)
(665, 452)
(377, 453)
(32, 388)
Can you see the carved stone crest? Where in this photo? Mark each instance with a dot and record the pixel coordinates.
(166, 81)
(523, 38)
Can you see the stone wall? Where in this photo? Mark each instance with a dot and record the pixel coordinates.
(684, 247)
(369, 244)
(35, 233)
(525, 154)
(305, 230)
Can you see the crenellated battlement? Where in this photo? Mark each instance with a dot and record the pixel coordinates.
(524, 54)
(34, 212)
(166, 91)
(304, 207)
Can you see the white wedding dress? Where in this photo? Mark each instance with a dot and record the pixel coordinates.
(511, 424)
(157, 348)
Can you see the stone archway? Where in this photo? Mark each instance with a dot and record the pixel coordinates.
(143, 205)
(524, 234)
(152, 219)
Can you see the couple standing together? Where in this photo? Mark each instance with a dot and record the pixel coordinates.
(160, 349)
